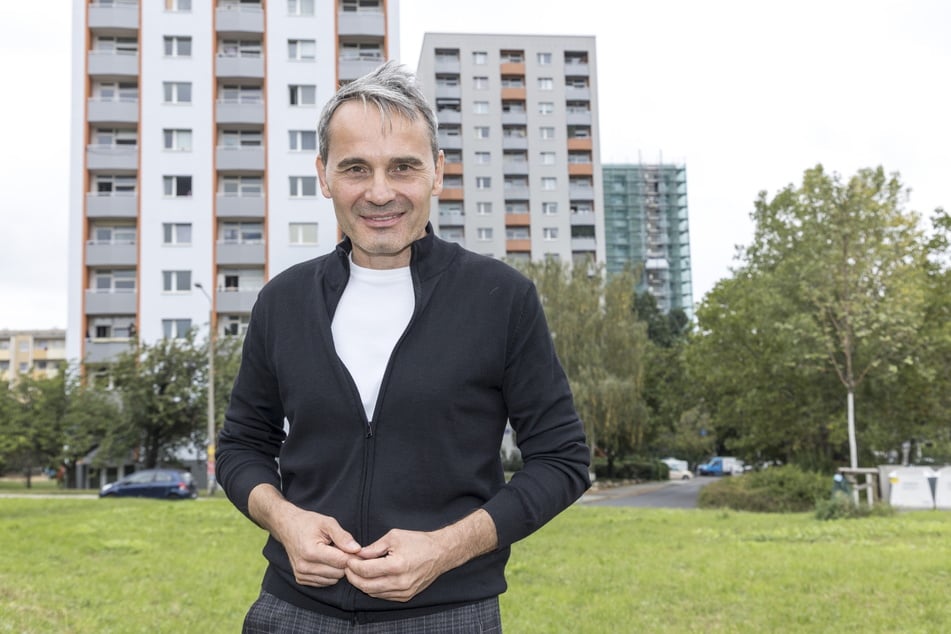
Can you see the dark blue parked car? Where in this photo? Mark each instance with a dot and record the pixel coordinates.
(171, 484)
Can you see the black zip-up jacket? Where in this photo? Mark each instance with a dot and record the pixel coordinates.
(476, 353)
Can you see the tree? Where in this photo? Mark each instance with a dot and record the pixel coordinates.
(601, 345)
(31, 423)
(832, 289)
(162, 391)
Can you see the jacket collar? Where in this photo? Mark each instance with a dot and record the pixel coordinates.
(430, 256)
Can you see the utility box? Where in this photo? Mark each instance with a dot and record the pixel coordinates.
(912, 488)
(942, 491)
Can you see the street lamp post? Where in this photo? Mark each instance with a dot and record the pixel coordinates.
(212, 485)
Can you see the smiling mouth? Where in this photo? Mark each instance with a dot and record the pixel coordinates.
(383, 218)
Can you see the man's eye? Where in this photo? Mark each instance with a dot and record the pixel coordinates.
(403, 167)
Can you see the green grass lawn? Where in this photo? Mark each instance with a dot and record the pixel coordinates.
(79, 565)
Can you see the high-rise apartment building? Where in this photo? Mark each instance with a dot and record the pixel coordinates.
(646, 225)
(36, 353)
(518, 123)
(193, 146)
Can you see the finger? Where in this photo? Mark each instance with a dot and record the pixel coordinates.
(342, 539)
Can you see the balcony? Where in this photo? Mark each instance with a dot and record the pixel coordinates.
(124, 205)
(577, 93)
(580, 192)
(239, 19)
(514, 93)
(449, 116)
(239, 66)
(450, 141)
(110, 254)
(580, 143)
(516, 192)
(240, 112)
(577, 67)
(361, 23)
(452, 194)
(111, 63)
(517, 118)
(111, 111)
(98, 303)
(122, 15)
(585, 219)
(105, 350)
(515, 143)
(231, 206)
(519, 245)
(518, 220)
(580, 169)
(235, 253)
(578, 117)
(235, 301)
(448, 91)
(238, 158)
(455, 218)
(112, 157)
(583, 244)
(353, 68)
(447, 64)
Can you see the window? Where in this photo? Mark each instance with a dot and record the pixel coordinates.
(480, 83)
(480, 107)
(178, 5)
(241, 233)
(116, 45)
(239, 138)
(483, 158)
(126, 92)
(549, 183)
(176, 328)
(482, 132)
(177, 140)
(233, 325)
(112, 234)
(546, 83)
(361, 51)
(113, 280)
(302, 140)
(479, 57)
(303, 186)
(349, 6)
(483, 182)
(178, 46)
(484, 209)
(517, 233)
(301, 50)
(177, 186)
(548, 158)
(452, 181)
(240, 94)
(512, 56)
(546, 132)
(303, 95)
(549, 209)
(250, 186)
(549, 233)
(447, 80)
(546, 107)
(300, 7)
(239, 48)
(303, 233)
(484, 233)
(177, 91)
(513, 81)
(177, 281)
(113, 185)
(544, 59)
(516, 207)
(114, 137)
(177, 233)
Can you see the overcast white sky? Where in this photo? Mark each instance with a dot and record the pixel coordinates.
(748, 94)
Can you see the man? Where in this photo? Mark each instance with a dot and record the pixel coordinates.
(396, 361)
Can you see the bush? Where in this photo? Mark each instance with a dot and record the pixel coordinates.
(634, 469)
(840, 506)
(786, 489)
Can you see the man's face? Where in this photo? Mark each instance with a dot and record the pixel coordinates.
(381, 179)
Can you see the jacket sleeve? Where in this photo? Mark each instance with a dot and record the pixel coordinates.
(253, 432)
(549, 433)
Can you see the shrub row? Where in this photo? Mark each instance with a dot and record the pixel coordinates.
(786, 489)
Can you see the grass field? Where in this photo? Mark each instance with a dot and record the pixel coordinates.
(71, 565)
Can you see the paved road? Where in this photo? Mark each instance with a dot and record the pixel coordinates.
(672, 495)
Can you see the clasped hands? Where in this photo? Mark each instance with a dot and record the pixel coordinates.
(396, 567)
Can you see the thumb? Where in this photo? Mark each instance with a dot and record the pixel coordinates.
(342, 539)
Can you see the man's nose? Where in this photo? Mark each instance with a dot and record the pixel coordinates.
(379, 191)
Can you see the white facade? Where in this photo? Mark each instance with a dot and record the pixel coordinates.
(193, 147)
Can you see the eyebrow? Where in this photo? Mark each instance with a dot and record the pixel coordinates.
(398, 160)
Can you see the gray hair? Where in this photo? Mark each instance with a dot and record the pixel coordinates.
(391, 88)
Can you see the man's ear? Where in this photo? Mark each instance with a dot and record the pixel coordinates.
(440, 171)
(322, 176)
